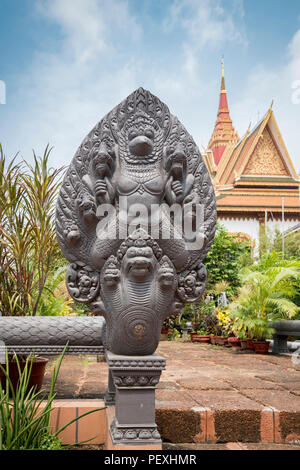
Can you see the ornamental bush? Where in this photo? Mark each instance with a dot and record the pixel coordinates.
(228, 254)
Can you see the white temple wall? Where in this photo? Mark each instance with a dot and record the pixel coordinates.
(251, 227)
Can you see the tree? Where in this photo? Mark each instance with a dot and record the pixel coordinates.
(228, 254)
(291, 244)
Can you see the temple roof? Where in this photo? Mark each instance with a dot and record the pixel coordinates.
(261, 153)
(224, 132)
(255, 173)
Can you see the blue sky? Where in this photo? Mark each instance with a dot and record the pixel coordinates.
(66, 63)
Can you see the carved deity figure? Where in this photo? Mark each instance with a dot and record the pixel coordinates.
(134, 184)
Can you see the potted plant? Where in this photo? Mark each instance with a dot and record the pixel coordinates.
(234, 342)
(243, 340)
(213, 339)
(265, 297)
(224, 326)
(200, 336)
(16, 366)
(25, 412)
(165, 327)
(221, 340)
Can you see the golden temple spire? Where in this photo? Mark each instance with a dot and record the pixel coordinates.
(223, 88)
(224, 132)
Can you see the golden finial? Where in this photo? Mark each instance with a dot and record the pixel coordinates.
(223, 89)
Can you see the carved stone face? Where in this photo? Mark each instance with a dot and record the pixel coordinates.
(102, 159)
(85, 283)
(139, 262)
(141, 142)
(86, 206)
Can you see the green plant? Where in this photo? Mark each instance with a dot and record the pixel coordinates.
(201, 332)
(52, 301)
(225, 322)
(25, 414)
(291, 244)
(51, 442)
(221, 286)
(28, 245)
(265, 296)
(270, 240)
(174, 334)
(223, 261)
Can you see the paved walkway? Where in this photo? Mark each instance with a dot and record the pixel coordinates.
(208, 393)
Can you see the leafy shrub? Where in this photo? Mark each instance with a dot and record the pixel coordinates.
(226, 257)
(28, 245)
(54, 300)
(266, 295)
(24, 422)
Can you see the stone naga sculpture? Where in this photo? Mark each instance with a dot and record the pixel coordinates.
(133, 267)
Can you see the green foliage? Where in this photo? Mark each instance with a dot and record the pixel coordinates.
(174, 335)
(275, 259)
(51, 304)
(28, 245)
(25, 414)
(227, 255)
(193, 312)
(203, 316)
(267, 237)
(291, 245)
(51, 442)
(266, 295)
(270, 240)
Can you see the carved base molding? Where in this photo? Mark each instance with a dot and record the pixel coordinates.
(54, 350)
(110, 395)
(280, 344)
(135, 379)
(129, 435)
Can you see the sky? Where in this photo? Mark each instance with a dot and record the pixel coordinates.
(66, 63)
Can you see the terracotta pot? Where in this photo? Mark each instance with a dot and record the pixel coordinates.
(244, 344)
(216, 339)
(221, 340)
(250, 344)
(234, 342)
(200, 338)
(164, 330)
(261, 347)
(36, 376)
(213, 340)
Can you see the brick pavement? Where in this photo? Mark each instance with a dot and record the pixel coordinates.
(208, 394)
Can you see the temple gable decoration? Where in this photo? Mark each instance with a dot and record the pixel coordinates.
(265, 159)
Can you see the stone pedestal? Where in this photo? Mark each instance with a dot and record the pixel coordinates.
(135, 379)
(280, 344)
(110, 395)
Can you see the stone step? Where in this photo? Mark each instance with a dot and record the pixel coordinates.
(198, 425)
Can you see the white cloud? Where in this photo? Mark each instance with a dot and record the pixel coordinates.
(90, 26)
(103, 53)
(207, 24)
(63, 93)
